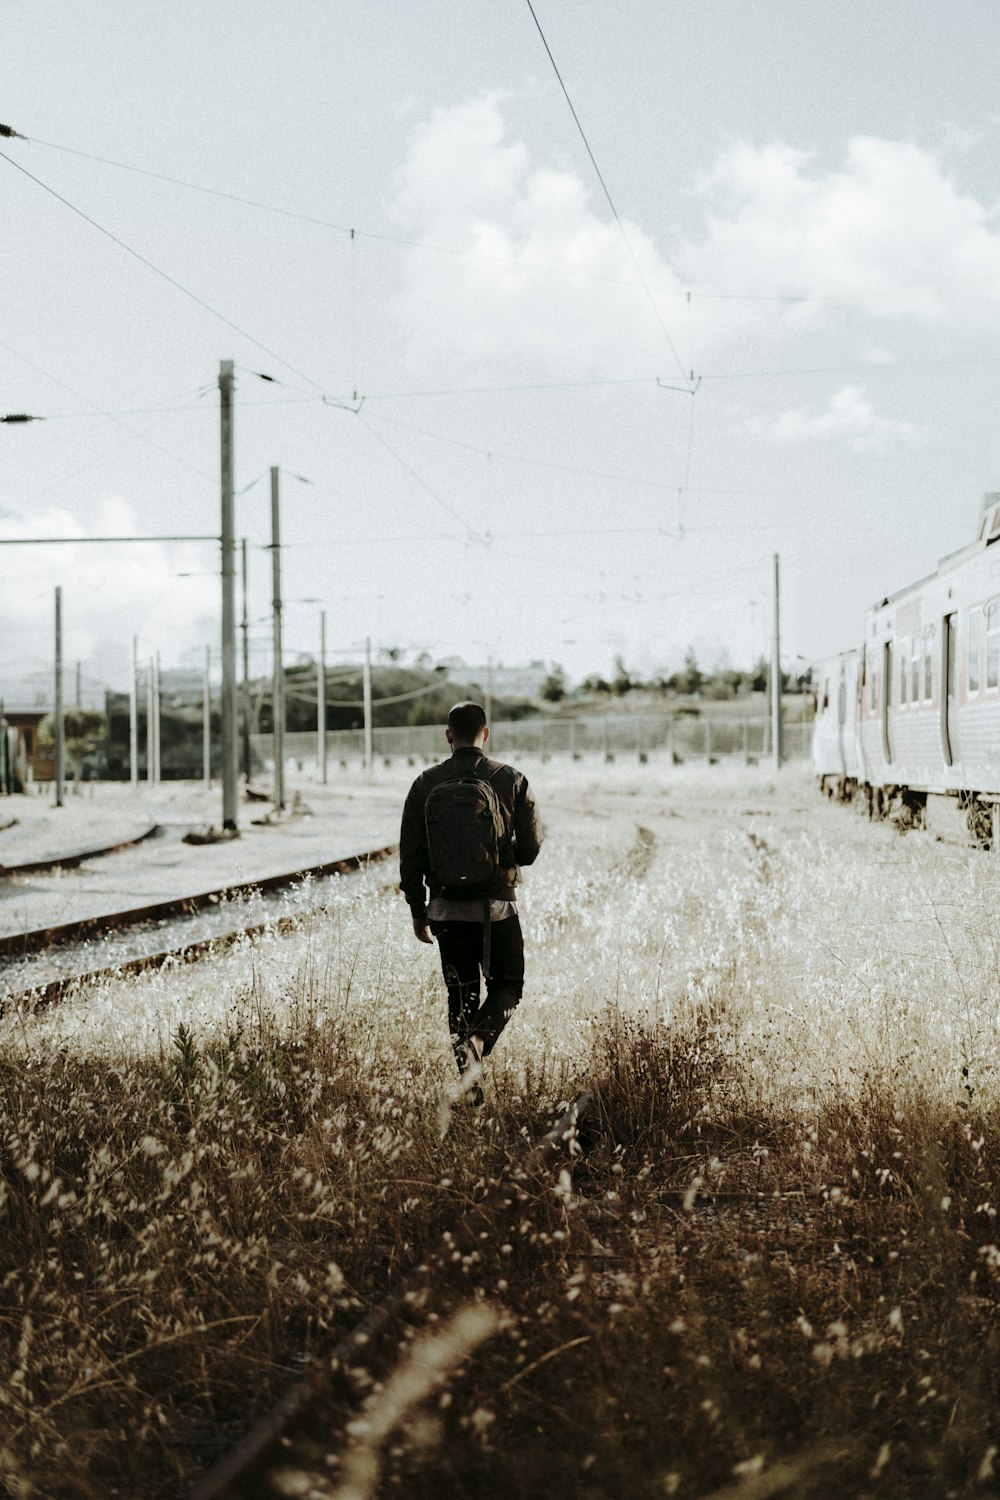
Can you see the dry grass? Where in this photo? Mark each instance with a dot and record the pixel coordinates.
(778, 1270)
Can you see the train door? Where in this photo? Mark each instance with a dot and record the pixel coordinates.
(949, 690)
(861, 690)
(842, 715)
(887, 665)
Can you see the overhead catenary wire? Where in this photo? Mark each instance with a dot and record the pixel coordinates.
(102, 457)
(433, 539)
(103, 412)
(355, 233)
(869, 368)
(685, 374)
(545, 463)
(683, 491)
(164, 275)
(439, 500)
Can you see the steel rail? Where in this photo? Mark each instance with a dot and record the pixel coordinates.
(54, 989)
(75, 857)
(22, 944)
(267, 1431)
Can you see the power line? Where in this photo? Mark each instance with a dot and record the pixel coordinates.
(427, 538)
(866, 368)
(438, 499)
(356, 234)
(456, 250)
(628, 244)
(683, 491)
(165, 275)
(544, 463)
(102, 412)
(74, 541)
(499, 390)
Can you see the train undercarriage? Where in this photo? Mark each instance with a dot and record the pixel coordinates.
(907, 806)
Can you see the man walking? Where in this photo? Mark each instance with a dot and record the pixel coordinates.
(467, 825)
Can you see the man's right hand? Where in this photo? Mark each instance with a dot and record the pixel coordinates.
(422, 929)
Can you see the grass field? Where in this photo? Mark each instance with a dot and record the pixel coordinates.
(777, 1273)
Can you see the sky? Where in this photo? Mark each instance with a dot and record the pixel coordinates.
(539, 387)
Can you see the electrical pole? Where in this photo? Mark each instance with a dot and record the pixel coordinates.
(230, 759)
(133, 719)
(278, 680)
(149, 723)
(156, 718)
(206, 721)
(79, 684)
(6, 758)
(245, 628)
(488, 705)
(367, 693)
(321, 699)
(60, 728)
(776, 669)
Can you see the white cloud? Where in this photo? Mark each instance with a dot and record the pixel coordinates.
(850, 417)
(110, 593)
(889, 232)
(546, 281)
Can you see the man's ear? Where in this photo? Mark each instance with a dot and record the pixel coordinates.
(447, 735)
(486, 733)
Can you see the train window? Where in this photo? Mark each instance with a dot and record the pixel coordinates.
(975, 649)
(915, 670)
(873, 688)
(928, 662)
(993, 644)
(904, 670)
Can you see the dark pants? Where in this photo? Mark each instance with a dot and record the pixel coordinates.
(461, 947)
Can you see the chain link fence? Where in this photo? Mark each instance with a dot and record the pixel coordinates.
(679, 736)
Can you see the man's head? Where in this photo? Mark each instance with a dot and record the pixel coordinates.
(467, 726)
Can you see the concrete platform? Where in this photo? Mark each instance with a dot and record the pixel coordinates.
(328, 826)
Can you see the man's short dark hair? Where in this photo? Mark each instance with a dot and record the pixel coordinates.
(465, 721)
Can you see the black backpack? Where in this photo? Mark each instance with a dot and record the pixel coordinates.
(466, 831)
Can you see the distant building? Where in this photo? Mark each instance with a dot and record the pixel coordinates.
(28, 760)
(183, 683)
(35, 689)
(506, 682)
(25, 701)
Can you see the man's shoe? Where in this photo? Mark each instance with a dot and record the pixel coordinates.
(472, 1088)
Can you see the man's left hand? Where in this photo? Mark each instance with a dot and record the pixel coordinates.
(422, 929)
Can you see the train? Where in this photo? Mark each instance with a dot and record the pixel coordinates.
(914, 710)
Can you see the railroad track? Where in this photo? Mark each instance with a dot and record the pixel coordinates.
(38, 943)
(243, 1470)
(75, 857)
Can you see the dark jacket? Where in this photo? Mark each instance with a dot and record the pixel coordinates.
(524, 829)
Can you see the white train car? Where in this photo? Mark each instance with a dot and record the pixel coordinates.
(925, 716)
(836, 750)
